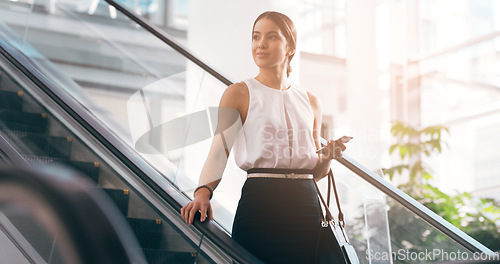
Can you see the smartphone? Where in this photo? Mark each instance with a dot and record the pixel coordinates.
(343, 139)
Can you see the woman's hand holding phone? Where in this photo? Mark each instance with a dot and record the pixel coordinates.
(334, 148)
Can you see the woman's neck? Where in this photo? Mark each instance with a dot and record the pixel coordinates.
(273, 78)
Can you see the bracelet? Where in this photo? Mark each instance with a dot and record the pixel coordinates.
(205, 186)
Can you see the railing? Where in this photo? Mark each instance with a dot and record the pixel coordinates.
(411, 204)
(11, 154)
(169, 41)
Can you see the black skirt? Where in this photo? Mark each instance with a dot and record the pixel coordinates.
(278, 220)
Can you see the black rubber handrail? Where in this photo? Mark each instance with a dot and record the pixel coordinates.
(169, 40)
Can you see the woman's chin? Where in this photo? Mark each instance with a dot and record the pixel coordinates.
(266, 64)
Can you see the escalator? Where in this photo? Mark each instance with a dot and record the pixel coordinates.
(42, 125)
(40, 138)
(93, 92)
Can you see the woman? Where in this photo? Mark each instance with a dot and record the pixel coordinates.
(278, 215)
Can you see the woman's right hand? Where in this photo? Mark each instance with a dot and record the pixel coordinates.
(201, 203)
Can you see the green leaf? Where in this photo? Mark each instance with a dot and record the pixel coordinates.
(392, 170)
(413, 149)
(403, 151)
(427, 176)
(433, 131)
(433, 144)
(489, 209)
(392, 148)
(400, 129)
(388, 171)
(401, 167)
(391, 175)
(415, 170)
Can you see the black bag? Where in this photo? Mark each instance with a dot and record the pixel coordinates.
(333, 243)
(328, 250)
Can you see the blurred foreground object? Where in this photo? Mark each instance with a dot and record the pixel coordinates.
(53, 215)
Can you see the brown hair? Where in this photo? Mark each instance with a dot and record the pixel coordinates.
(285, 24)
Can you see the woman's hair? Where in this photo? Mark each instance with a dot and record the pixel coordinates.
(285, 24)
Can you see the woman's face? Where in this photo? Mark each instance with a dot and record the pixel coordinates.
(269, 47)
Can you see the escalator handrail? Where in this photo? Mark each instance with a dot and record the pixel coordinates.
(14, 157)
(126, 155)
(170, 41)
(405, 200)
(414, 206)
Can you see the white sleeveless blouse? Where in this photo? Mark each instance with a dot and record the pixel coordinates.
(277, 132)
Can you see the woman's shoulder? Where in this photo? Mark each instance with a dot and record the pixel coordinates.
(236, 95)
(314, 101)
(312, 98)
(238, 89)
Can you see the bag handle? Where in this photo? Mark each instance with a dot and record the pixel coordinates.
(341, 214)
(328, 215)
(325, 219)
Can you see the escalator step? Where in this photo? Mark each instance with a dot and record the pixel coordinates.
(162, 256)
(90, 169)
(148, 232)
(41, 145)
(120, 197)
(22, 121)
(11, 100)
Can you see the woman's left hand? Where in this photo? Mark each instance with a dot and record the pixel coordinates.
(334, 148)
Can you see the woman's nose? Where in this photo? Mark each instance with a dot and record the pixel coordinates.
(262, 43)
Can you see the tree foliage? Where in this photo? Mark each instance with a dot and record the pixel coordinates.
(477, 217)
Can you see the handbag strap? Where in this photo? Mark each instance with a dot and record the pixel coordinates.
(328, 215)
(325, 219)
(341, 214)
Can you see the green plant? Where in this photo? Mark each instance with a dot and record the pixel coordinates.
(412, 144)
(477, 217)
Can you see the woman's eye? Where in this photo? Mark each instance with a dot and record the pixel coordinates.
(273, 37)
(255, 37)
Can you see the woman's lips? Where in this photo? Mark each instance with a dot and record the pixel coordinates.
(261, 54)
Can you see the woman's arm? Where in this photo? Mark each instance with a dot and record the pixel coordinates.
(332, 150)
(229, 123)
(232, 112)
